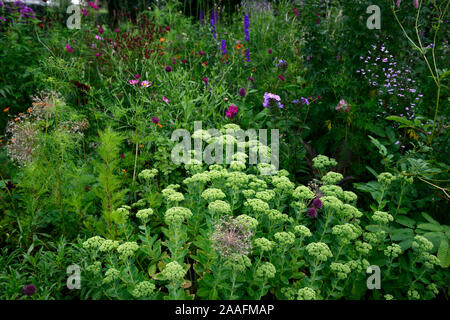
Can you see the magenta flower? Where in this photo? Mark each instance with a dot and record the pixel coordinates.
(92, 5)
(202, 53)
(122, 155)
(117, 30)
(317, 203)
(100, 29)
(251, 79)
(183, 61)
(29, 289)
(155, 120)
(137, 76)
(85, 12)
(231, 111)
(242, 92)
(270, 51)
(281, 78)
(205, 80)
(312, 213)
(69, 48)
(133, 82)
(168, 68)
(165, 100)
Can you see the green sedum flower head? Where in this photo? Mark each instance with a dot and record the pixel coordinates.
(386, 178)
(144, 215)
(303, 193)
(306, 294)
(393, 251)
(109, 245)
(322, 162)
(219, 207)
(421, 244)
(332, 190)
(212, 194)
(111, 275)
(319, 250)
(93, 243)
(148, 174)
(285, 238)
(176, 215)
(382, 217)
(266, 271)
(265, 195)
(127, 249)
(175, 197)
(237, 262)
(331, 203)
(173, 271)
(250, 222)
(341, 270)
(143, 289)
(283, 185)
(332, 177)
(302, 231)
(363, 247)
(346, 232)
(264, 244)
(256, 205)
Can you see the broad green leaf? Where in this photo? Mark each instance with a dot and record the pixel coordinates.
(400, 119)
(430, 227)
(405, 221)
(444, 254)
(401, 234)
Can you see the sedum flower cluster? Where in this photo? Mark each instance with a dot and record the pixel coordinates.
(285, 238)
(148, 174)
(264, 244)
(143, 289)
(341, 270)
(127, 249)
(237, 262)
(144, 215)
(382, 217)
(213, 194)
(332, 177)
(306, 294)
(175, 216)
(266, 271)
(322, 162)
(174, 271)
(319, 250)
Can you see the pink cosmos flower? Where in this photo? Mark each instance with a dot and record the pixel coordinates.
(165, 100)
(145, 84)
(69, 48)
(133, 82)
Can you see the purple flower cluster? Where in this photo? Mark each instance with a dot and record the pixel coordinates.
(383, 73)
(270, 96)
(224, 47)
(231, 111)
(18, 7)
(316, 205)
(246, 28)
(213, 24)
